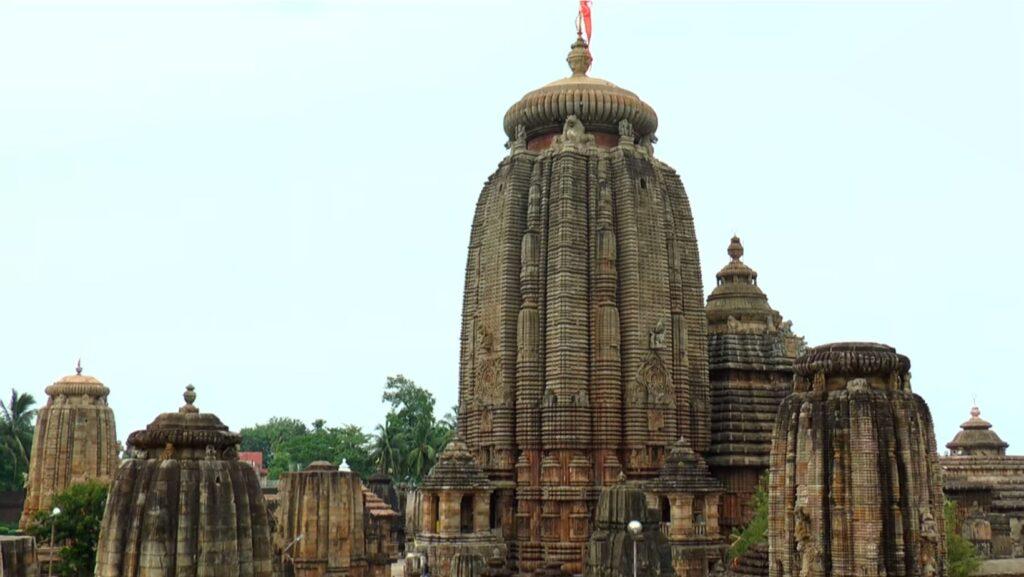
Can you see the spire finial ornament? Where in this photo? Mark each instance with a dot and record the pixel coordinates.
(579, 58)
(735, 248)
(975, 411)
(190, 397)
(78, 367)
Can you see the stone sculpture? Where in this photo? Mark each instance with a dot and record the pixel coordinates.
(855, 483)
(74, 441)
(584, 276)
(183, 504)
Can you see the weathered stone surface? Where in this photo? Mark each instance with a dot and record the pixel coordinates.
(750, 352)
(384, 487)
(18, 557)
(988, 488)
(74, 441)
(687, 497)
(584, 335)
(183, 504)
(855, 485)
(456, 524)
(753, 563)
(610, 548)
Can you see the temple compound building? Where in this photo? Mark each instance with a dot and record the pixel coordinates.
(74, 441)
(584, 337)
(855, 485)
(457, 517)
(610, 551)
(183, 504)
(751, 352)
(687, 497)
(329, 524)
(987, 486)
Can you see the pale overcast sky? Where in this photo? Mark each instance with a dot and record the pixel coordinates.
(272, 200)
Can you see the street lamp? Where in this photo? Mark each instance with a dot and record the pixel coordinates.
(635, 528)
(53, 534)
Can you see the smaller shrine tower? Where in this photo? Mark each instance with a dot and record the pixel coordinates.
(855, 486)
(183, 504)
(751, 352)
(74, 441)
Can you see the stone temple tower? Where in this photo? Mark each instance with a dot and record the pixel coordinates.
(855, 486)
(584, 347)
(74, 441)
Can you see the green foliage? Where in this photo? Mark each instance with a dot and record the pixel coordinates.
(961, 556)
(267, 437)
(407, 444)
(757, 530)
(8, 529)
(77, 527)
(17, 423)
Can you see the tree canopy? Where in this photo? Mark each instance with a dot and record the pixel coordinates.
(17, 423)
(76, 528)
(405, 445)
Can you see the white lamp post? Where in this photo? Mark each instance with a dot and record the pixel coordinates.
(53, 534)
(635, 528)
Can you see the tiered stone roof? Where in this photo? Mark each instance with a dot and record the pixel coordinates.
(976, 437)
(753, 562)
(684, 472)
(750, 354)
(456, 470)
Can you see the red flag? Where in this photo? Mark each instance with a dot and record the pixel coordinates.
(585, 17)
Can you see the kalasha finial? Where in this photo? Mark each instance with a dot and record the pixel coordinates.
(78, 367)
(579, 58)
(975, 411)
(190, 397)
(735, 248)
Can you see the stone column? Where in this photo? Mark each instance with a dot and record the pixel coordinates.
(481, 512)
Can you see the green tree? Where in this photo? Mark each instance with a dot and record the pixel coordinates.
(76, 528)
(385, 454)
(961, 556)
(267, 437)
(17, 422)
(418, 436)
(331, 444)
(756, 530)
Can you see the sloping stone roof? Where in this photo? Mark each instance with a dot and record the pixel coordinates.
(456, 470)
(684, 472)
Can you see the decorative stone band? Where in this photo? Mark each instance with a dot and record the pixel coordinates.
(852, 359)
(195, 439)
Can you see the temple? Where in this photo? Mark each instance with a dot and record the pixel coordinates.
(987, 486)
(584, 338)
(183, 504)
(74, 441)
(855, 485)
(750, 352)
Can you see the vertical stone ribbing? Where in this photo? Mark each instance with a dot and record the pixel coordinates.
(74, 441)
(854, 487)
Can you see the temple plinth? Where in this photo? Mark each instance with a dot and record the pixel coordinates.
(855, 486)
(74, 441)
(183, 504)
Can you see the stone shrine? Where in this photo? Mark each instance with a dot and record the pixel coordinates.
(183, 504)
(855, 486)
(456, 520)
(584, 338)
(74, 441)
(687, 498)
(987, 486)
(750, 351)
(610, 550)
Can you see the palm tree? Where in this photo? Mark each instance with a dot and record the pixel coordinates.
(16, 427)
(385, 453)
